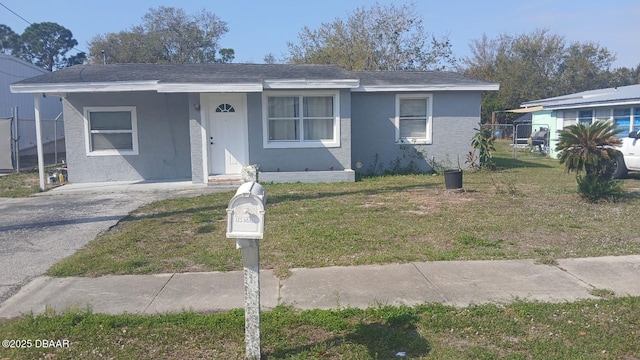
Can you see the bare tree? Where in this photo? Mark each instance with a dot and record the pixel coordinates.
(382, 37)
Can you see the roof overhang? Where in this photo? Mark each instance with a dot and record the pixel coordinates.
(594, 104)
(154, 85)
(310, 84)
(443, 87)
(525, 110)
(208, 87)
(115, 86)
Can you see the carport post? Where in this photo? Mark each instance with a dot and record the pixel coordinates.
(36, 104)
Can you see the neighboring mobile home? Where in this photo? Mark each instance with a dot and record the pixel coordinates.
(620, 105)
(127, 122)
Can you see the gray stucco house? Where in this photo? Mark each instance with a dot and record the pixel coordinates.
(127, 122)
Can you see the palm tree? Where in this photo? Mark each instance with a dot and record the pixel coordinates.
(590, 148)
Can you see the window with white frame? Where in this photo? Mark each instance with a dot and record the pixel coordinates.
(413, 119)
(111, 130)
(585, 117)
(569, 118)
(308, 119)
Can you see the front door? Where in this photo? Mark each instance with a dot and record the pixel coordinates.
(227, 132)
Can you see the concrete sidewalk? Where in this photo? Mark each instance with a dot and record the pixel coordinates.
(457, 283)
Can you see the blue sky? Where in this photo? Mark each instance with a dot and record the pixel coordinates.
(257, 28)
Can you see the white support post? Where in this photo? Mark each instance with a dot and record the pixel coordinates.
(251, 261)
(36, 103)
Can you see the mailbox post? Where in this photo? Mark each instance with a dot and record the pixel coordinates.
(245, 223)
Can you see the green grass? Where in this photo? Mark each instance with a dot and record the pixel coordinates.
(528, 208)
(19, 184)
(590, 329)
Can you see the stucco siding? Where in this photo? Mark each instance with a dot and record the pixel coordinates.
(374, 148)
(163, 138)
(298, 159)
(196, 133)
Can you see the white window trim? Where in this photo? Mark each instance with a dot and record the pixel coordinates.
(134, 131)
(269, 144)
(419, 141)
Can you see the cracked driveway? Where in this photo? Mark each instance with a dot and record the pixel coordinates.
(38, 231)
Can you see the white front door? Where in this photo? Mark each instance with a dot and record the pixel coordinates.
(227, 132)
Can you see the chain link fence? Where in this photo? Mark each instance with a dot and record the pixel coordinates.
(21, 144)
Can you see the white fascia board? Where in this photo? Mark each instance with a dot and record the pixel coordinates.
(406, 88)
(634, 102)
(84, 87)
(208, 87)
(311, 84)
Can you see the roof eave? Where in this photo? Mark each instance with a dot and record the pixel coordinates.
(208, 87)
(628, 102)
(272, 84)
(440, 87)
(116, 86)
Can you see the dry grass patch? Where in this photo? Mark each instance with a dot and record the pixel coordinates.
(529, 208)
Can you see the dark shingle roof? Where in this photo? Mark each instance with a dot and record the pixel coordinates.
(189, 73)
(253, 74)
(390, 78)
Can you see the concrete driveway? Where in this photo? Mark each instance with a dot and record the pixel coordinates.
(38, 231)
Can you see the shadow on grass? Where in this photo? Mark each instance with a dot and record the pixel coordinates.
(510, 163)
(397, 338)
(194, 210)
(197, 208)
(278, 198)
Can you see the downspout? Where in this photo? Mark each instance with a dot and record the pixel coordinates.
(36, 103)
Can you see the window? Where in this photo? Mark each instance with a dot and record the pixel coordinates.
(413, 119)
(569, 118)
(225, 108)
(585, 117)
(305, 120)
(636, 119)
(622, 119)
(111, 131)
(603, 114)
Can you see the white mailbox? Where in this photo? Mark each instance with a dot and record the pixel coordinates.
(245, 214)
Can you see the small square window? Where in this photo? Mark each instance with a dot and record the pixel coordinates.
(111, 131)
(413, 119)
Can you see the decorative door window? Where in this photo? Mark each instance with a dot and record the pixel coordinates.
(225, 108)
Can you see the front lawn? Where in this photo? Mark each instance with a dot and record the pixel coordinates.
(527, 209)
(589, 329)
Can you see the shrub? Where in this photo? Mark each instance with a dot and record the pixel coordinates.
(594, 188)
